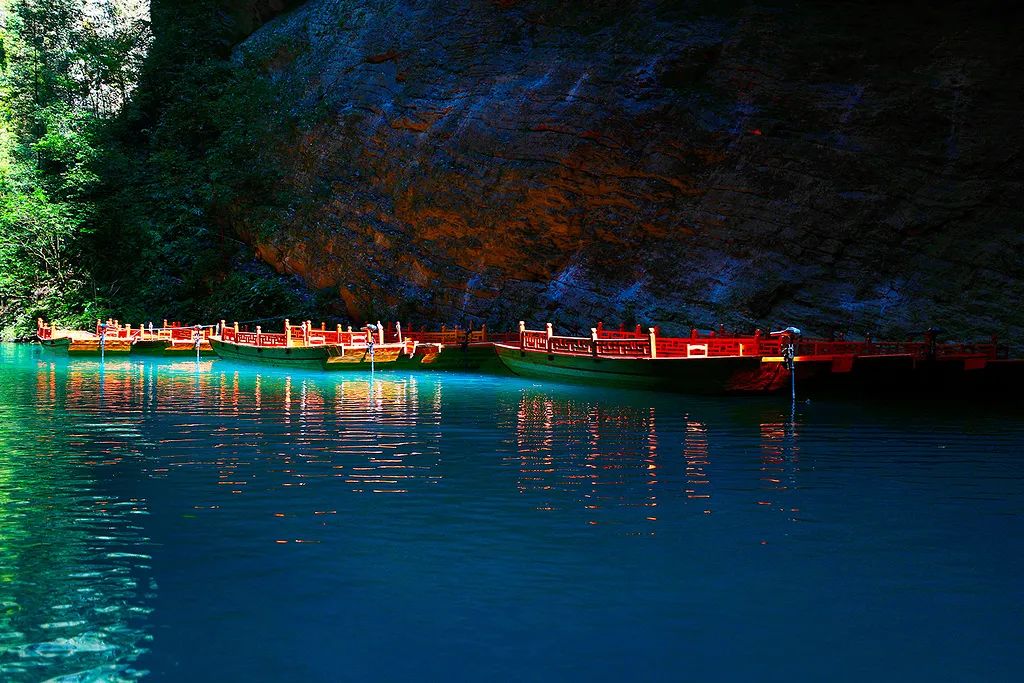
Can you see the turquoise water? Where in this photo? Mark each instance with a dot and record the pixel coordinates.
(169, 521)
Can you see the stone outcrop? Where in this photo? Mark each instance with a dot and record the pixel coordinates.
(848, 166)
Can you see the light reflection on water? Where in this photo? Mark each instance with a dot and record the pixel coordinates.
(153, 513)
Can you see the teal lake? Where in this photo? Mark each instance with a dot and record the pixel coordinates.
(210, 521)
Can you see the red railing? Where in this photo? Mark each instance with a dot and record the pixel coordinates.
(621, 333)
(260, 338)
(578, 345)
(626, 344)
(623, 346)
(300, 336)
(320, 337)
(689, 347)
(114, 330)
(532, 340)
(187, 334)
(917, 349)
(450, 337)
(535, 341)
(442, 337)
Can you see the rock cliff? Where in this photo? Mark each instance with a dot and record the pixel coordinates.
(845, 166)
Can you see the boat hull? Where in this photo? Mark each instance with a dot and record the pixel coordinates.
(389, 357)
(164, 348)
(724, 375)
(55, 347)
(478, 357)
(892, 376)
(306, 357)
(85, 348)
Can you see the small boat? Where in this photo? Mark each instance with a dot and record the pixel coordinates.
(461, 350)
(111, 338)
(647, 361)
(372, 347)
(757, 364)
(304, 346)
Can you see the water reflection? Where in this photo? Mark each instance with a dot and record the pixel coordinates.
(385, 434)
(635, 456)
(483, 510)
(76, 585)
(272, 445)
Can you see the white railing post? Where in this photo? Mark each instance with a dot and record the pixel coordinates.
(380, 333)
(522, 335)
(551, 333)
(593, 341)
(287, 332)
(654, 345)
(259, 332)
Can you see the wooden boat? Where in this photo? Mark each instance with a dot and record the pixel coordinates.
(372, 347)
(114, 339)
(461, 350)
(307, 347)
(756, 364)
(645, 362)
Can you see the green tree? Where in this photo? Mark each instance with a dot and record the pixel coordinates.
(66, 69)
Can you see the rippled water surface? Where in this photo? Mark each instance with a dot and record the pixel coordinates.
(211, 521)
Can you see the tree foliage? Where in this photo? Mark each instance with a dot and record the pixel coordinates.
(66, 68)
(124, 158)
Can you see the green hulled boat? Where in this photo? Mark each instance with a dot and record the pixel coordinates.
(307, 357)
(714, 375)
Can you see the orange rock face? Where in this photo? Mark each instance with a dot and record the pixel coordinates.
(835, 168)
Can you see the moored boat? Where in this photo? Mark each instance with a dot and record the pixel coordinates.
(112, 338)
(758, 364)
(455, 349)
(372, 347)
(647, 361)
(308, 347)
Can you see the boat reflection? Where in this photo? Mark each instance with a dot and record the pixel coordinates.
(621, 461)
(642, 457)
